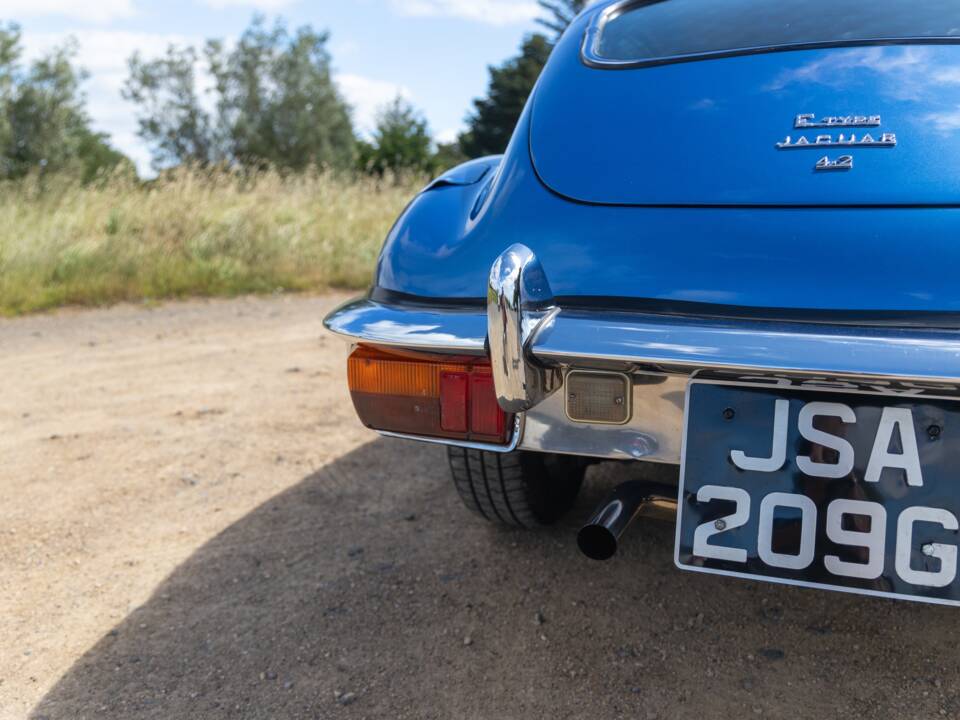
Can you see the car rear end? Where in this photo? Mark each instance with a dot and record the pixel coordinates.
(723, 238)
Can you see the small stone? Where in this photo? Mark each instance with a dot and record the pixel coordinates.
(263, 676)
(467, 641)
(411, 517)
(347, 698)
(773, 653)
(538, 618)
(354, 551)
(288, 684)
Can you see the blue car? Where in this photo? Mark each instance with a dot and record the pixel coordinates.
(723, 244)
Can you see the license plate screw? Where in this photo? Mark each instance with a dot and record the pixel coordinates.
(720, 525)
(729, 414)
(618, 401)
(928, 549)
(934, 431)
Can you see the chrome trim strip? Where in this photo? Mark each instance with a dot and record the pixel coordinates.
(687, 345)
(518, 432)
(590, 48)
(414, 327)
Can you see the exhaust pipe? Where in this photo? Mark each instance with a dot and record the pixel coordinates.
(599, 538)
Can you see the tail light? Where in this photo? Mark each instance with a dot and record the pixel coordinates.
(431, 396)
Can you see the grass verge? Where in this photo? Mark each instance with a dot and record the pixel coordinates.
(190, 233)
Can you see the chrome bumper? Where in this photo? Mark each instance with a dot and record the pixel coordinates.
(533, 343)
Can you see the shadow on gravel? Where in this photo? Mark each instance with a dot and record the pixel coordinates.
(367, 591)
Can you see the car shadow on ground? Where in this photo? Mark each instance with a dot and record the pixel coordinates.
(368, 591)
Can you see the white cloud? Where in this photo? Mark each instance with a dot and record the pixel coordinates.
(945, 122)
(104, 54)
(266, 5)
(492, 12)
(447, 135)
(97, 11)
(367, 96)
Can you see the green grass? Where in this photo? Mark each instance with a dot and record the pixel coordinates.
(192, 233)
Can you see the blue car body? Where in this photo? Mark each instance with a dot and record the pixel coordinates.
(663, 184)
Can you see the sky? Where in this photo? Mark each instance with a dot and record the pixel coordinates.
(433, 52)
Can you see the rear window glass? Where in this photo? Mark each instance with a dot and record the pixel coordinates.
(652, 30)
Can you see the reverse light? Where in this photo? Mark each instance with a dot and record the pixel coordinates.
(427, 395)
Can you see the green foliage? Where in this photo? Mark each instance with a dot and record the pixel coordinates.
(560, 14)
(275, 103)
(171, 118)
(191, 232)
(448, 155)
(43, 125)
(491, 124)
(401, 141)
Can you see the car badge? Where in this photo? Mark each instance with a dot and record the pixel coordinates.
(845, 141)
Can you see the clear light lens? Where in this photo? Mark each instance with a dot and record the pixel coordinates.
(598, 397)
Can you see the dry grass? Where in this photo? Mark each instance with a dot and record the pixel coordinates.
(193, 233)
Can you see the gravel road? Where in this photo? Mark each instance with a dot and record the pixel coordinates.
(194, 525)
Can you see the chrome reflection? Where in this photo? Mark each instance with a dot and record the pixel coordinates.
(653, 432)
(442, 329)
(519, 303)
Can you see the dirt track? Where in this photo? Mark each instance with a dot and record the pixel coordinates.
(194, 525)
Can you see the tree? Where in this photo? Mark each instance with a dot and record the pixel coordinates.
(171, 118)
(491, 124)
(448, 155)
(274, 102)
(494, 117)
(43, 123)
(561, 14)
(401, 141)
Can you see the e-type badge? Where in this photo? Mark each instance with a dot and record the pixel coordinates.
(808, 120)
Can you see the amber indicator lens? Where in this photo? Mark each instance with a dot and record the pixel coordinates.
(426, 395)
(598, 397)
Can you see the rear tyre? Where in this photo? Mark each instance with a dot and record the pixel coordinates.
(518, 489)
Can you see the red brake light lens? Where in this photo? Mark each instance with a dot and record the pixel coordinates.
(427, 395)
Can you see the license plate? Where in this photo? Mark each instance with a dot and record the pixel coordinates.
(847, 490)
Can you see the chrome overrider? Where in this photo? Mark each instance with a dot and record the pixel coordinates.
(533, 343)
(519, 306)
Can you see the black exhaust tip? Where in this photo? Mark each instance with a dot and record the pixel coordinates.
(600, 537)
(596, 542)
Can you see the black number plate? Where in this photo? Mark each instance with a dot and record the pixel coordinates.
(845, 490)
